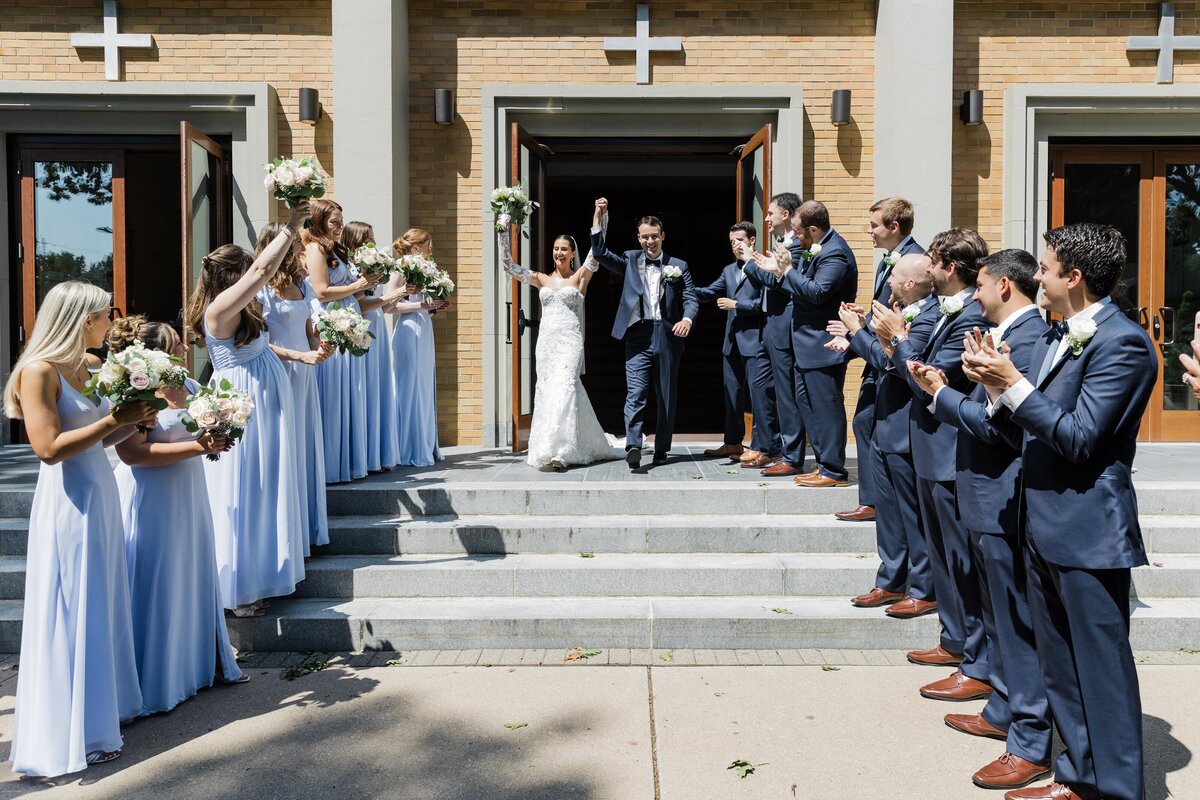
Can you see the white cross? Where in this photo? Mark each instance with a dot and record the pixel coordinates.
(111, 41)
(1166, 43)
(643, 44)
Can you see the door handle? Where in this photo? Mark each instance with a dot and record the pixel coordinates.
(508, 322)
(1157, 331)
(1143, 317)
(1164, 311)
(522, 322)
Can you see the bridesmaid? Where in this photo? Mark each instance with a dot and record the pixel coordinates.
(382, 444)
(254, 489)
(78, 676)
(342, 379)
(413, 367)
(179, 631)
(286, 304)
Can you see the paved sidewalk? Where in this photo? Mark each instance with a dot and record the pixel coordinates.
(360, 728)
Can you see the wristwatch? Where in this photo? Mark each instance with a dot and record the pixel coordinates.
(897, 339)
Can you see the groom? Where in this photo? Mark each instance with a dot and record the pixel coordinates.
(658, 304)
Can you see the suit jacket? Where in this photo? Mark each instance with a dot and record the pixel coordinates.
(934, 442)
(818, 287)
(893, 395)
(883, 295)
(777, 330)
(1080, 433)
(744, 324)
(677, 299)
(988, 483)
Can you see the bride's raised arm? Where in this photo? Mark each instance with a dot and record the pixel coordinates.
(591, 265)
(506, 261)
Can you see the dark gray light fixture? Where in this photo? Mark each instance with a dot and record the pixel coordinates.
(310, 106)
(971, 110)
(443, 106)
(839, 109)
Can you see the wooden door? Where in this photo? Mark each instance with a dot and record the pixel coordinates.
(754, 183)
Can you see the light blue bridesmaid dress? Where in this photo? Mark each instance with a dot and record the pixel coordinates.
(286, 323)
(254, 489)
(179, 632)
(78, 676)
(382, 441)
(414, 375)
(342, 388)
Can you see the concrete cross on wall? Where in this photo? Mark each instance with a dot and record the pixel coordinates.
(642, 44)
(111, 41)
(1166, 43)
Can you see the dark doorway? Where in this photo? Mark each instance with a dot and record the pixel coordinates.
(690, 185)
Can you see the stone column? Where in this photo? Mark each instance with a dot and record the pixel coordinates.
(914, 108)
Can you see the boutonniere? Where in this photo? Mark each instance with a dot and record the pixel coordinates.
(950, 306)
(910, 312)
(1079, 333)
(889, 260)
(671, 273)
(811, 252)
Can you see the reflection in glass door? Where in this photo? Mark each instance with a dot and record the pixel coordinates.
(1177, 292)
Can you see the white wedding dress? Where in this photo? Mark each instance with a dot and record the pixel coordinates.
(564, 426)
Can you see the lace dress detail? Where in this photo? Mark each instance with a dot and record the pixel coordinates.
(564, 424)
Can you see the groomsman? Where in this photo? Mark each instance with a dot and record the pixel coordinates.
(1079, 419)
(746, 370)
(989, 488)
(891, 230)
(903, 577)
(955, 256)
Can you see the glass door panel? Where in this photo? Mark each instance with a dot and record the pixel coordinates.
(529, 250)
(1177, 289)
(754, 183)
(203, 228)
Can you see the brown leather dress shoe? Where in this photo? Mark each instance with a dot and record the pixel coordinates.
(749, 455)
(819, 481)
(1009, 772)
(911, 607)
(725, 451)
(780, 470)
(956, 689)
(875, 598)
(760, 461)
(1055, 791)
(976, 725)
(860, 514)
(935, 657)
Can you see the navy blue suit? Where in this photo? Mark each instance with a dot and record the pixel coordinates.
(989, 499)
(933, 448)
(1080, 433)
(899, 535)
(652, 351)
(745, 366)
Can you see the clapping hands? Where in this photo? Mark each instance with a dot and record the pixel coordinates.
(988, 365)
(930, 379)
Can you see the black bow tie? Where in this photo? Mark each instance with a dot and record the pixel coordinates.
(653, 262)
(1059, 328)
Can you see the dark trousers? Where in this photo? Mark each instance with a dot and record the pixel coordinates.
(1081, 627)
(822, 405)
(749, 378)
(791, 426)
(652, 357)
(899, 536)
(1019, 703)
(863, 425)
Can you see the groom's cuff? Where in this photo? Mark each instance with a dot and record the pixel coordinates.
(688, 320)
(595, 230)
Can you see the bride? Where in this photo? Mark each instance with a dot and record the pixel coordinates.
(565, 429)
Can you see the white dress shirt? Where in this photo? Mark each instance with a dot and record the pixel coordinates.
(997, 335)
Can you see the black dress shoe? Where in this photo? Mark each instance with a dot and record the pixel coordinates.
(633, 457)
(660, 458)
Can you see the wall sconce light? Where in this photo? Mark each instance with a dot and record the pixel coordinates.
(839, 109)
(971, 110)
(310, 106)
(443, 106)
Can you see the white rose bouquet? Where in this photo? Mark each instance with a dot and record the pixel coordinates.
(220, 411)
(441, 287)
(291, 180)
(136, 373)
(419, 270)
(344, 328)
(369, 258)
(512, 202)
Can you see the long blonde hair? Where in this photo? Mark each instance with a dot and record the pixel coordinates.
(58, 333)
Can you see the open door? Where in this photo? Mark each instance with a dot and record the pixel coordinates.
(528, 168)
(754, 183)
(204, 223)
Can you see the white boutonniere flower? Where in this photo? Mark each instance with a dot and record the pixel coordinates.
(950, 306)
(1079, 333)
(889, 259)
(812, 252)
(910, 312)
(671, 273)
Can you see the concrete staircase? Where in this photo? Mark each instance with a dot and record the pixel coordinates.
(637, 564)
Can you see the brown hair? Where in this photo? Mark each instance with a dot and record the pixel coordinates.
(155, 335)
(219, 270)
(322, 209)
(814, 214)
(410, 241)
(356, 234)
(964, 248)
(286, 276)
(896, 209)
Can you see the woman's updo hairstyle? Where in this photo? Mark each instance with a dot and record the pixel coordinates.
(411, 240)
(155, 335)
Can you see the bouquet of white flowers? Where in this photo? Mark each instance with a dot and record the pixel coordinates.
(369, 258)
(344, 328)
(418, 270)
(441, 287)
(136, 373)
(513, 202)
(291, 180)
(219, 410)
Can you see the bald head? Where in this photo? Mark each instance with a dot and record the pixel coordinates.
(813, 214)
(910, 279)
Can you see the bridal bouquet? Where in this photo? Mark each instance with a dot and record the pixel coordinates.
(441, 287)
(220, 411)
(344, 328)
(369, 258)
(419, 270)
(291, 180)
(513, 202)
(136, 373)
